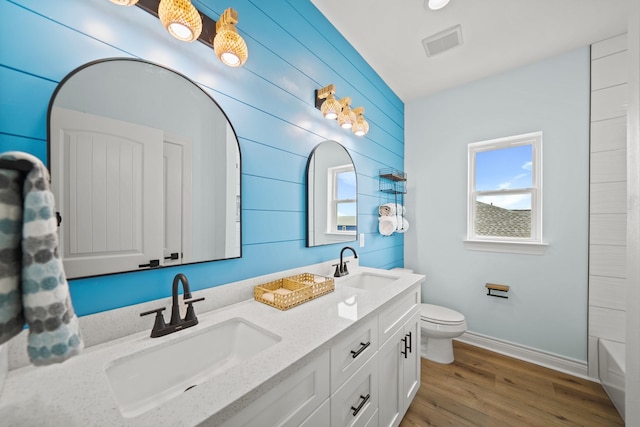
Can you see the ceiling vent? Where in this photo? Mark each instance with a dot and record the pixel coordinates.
(443, 41)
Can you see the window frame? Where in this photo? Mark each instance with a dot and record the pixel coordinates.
(533, 244)
(333, 201)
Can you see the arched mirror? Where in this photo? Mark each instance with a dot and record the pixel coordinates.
(145, 168)
(332, 196)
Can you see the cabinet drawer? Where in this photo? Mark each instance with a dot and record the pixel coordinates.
(290, 402)
(321, 416)
(393, 317)
(356, 402)
(351, 351)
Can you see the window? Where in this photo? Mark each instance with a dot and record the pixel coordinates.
(342, 200)
(504, 211)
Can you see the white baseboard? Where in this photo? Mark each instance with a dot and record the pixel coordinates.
(567, 365)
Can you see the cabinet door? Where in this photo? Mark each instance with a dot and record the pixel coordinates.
(290, 402)
(399, 360)
(356, 401)
(390, 386)
(411, 360)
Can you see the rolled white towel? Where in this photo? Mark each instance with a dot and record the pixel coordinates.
(268, 296)
(391, 209)
(403, 225)
(387, 210)
(387, 225)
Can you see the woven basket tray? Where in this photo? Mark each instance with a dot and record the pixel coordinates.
(320, 285)
(292, 291)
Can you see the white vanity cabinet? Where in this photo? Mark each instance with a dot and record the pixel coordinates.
(367, 378)
(399, 358)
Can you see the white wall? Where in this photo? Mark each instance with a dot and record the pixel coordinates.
(4, 365)
(632, 395)
(547, 305)
(608, 195)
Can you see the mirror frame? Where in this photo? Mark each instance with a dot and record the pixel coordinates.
(80, 68)
(308, 198)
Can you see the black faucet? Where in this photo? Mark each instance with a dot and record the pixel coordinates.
(341, 268)
(176, 323)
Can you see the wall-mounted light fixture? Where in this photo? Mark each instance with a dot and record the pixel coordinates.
(330, 107)
(346, 118)
(181, 19)
(361, 126)
(229, 46)
(341, 110)
(184, 22)
(435, 4)
(125, 2)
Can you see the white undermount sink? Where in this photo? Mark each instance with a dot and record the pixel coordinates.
(144, 380)
(367, 281)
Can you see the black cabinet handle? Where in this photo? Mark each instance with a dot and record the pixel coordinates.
(173, 255)
(404, 352)
(410, 343)
(356, 353)
(152, 263)
(365, 399)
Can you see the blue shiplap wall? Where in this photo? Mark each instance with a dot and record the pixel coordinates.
(293, 50)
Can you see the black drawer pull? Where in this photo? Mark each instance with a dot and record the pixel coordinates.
(410, 344)
(153, 263)
(355, 353)
(365, 399)
(404, 352)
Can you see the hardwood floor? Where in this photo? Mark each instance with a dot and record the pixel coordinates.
(483, 388)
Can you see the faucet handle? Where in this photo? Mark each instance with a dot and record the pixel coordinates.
(191, 313)
(158, 324)
(338, 270)
(344, 268)
(192, 300)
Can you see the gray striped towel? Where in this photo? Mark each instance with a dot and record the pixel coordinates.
(33, 285)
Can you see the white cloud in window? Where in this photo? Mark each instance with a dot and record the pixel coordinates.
(512, 183)
(510, 201)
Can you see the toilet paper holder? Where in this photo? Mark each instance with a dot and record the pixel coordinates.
(497, 288)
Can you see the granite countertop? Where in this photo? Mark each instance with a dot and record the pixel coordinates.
(77, 392)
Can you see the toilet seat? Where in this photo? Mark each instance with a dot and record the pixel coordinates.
(440, 315)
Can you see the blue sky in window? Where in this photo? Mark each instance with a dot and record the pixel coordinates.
(502, 169)
(346, 185)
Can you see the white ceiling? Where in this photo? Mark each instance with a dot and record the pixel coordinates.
(497, 35)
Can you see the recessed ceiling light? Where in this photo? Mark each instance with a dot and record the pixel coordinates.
(435, 4)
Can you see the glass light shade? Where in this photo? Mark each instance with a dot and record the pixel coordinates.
(124, 2)
(181, 19)
(230, 47)
(360, 127)
(437, 4)
(346, 118)
(331, 107)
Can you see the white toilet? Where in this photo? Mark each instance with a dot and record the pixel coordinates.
(439, 325)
